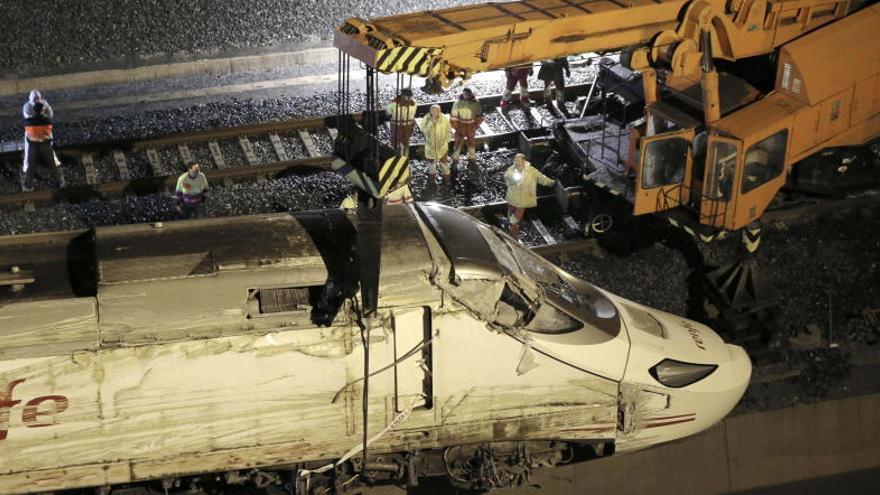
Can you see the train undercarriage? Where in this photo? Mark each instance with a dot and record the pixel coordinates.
(462, 469)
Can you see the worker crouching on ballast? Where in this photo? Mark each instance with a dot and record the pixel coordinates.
(38, 151)
(522, 180)
(466, 116)
(191, 192)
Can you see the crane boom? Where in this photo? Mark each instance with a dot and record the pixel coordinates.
(459, 42)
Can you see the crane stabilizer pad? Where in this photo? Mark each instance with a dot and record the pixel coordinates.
(409, 60)
(393, 174)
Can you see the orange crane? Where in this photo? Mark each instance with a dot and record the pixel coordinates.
(715, 169)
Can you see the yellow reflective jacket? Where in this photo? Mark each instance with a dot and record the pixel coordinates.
(437, 136)
(521, 186)
(402, 113)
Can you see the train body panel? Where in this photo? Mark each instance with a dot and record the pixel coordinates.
(217, 354)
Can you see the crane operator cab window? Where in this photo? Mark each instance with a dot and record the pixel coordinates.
(722, 155)
(657, 124)
(764, 161)
(665, 161)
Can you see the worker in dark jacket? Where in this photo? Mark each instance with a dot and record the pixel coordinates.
(518, 75)
(38, 152)
(551, 73)
(191, 191)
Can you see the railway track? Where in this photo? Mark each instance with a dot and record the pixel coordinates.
(228, 155)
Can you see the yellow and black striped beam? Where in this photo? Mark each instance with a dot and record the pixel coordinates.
(412, 60)
(357, 177)
(393, 174)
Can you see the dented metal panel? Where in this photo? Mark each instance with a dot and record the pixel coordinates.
(46, 328)
(172, 376)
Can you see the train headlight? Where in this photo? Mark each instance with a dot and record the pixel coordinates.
(676, 374)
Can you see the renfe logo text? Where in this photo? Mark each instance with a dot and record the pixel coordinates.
(36, 413)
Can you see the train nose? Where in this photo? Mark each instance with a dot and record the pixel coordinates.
(716, 395)
(703, 394)
(737, 375)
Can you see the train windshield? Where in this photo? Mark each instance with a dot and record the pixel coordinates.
(571, 302)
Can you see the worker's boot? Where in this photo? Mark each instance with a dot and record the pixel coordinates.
(472, 159)
(524, 97)
(455, 154)
(449, 178)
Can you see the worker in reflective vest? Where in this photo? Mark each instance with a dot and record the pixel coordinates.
(38, 151)
(437, 130)
(402, 111)
(522, 180)
(466, 116)
(191, 191)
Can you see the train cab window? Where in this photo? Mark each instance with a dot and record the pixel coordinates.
(514, 311)
(665, 160)
(764, 161)
(723, 156)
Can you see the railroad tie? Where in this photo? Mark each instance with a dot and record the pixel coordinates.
(155, 162)
(539, 226)
(216, 154)
(505, 119)
(309, 143)
(248, 150)
(571, 223)
(279, 148)
(536, 115)
(88, 164)
(185, 154)
(121, 164)
(487, 131)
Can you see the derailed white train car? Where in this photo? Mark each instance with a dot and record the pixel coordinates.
(233, 346)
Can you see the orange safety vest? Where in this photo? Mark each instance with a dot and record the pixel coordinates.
(38, 133)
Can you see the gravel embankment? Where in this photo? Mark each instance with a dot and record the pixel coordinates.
(146, 121)
(61, 36)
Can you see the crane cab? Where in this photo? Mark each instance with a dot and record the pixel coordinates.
(727, 174)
